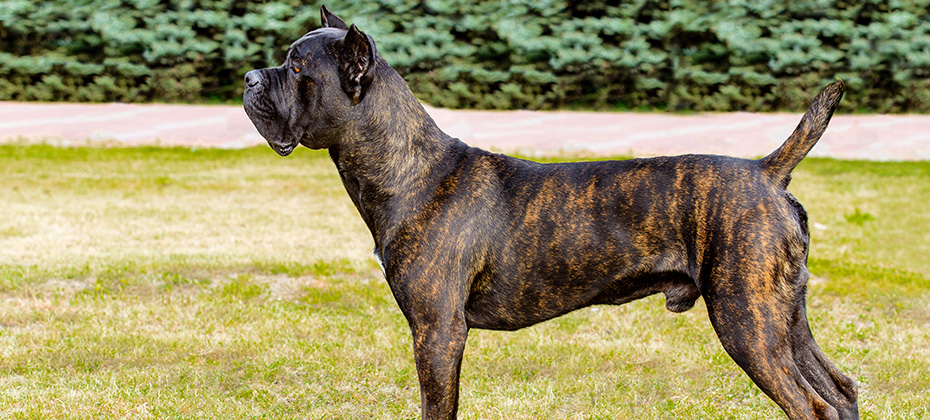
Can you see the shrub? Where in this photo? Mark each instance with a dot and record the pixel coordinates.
(541, 54)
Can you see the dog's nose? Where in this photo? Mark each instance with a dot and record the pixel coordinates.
(253, 78)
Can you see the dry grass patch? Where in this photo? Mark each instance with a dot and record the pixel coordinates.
(210, 284)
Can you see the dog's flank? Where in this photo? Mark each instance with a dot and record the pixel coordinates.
(472, 239)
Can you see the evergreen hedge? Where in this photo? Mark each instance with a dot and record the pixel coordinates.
(753, 55)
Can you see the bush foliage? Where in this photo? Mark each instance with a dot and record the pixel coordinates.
(539, 54)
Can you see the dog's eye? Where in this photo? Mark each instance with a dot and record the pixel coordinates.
(296, 70)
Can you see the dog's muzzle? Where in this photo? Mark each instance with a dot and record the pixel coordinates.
(263, 114)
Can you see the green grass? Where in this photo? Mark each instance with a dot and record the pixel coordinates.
(216, 284)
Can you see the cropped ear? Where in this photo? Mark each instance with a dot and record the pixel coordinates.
(329, 20)
(356, 64)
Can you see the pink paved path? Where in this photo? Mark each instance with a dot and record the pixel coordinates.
(872, 137)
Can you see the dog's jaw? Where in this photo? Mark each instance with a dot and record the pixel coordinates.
(283, 150)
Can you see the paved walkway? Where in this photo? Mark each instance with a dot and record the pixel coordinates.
(872, 137)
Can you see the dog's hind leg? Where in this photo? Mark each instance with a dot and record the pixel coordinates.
(837, 389)
(751, 318)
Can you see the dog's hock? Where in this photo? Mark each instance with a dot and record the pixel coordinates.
(356, 64)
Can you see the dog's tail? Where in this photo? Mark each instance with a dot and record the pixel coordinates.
(782, 161)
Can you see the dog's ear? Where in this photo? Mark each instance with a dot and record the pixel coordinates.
(356, 63)
(329, 20)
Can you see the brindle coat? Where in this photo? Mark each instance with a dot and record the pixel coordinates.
(472, 239)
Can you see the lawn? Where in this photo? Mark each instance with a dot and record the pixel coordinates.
(218, 284)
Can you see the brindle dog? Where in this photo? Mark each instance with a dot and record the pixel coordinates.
(472, 239)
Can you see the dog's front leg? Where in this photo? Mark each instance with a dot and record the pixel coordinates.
(430, 290)
(438, 343)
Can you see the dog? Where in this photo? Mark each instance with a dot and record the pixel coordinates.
(472, 239)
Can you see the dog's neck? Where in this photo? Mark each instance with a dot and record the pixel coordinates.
(393, 155)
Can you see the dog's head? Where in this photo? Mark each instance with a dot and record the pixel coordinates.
(306, 99)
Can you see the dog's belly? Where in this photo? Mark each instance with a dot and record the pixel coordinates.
(509, 300)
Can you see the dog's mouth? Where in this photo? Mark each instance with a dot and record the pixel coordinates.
(269, 123)
(280, 142)
(282, 150)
